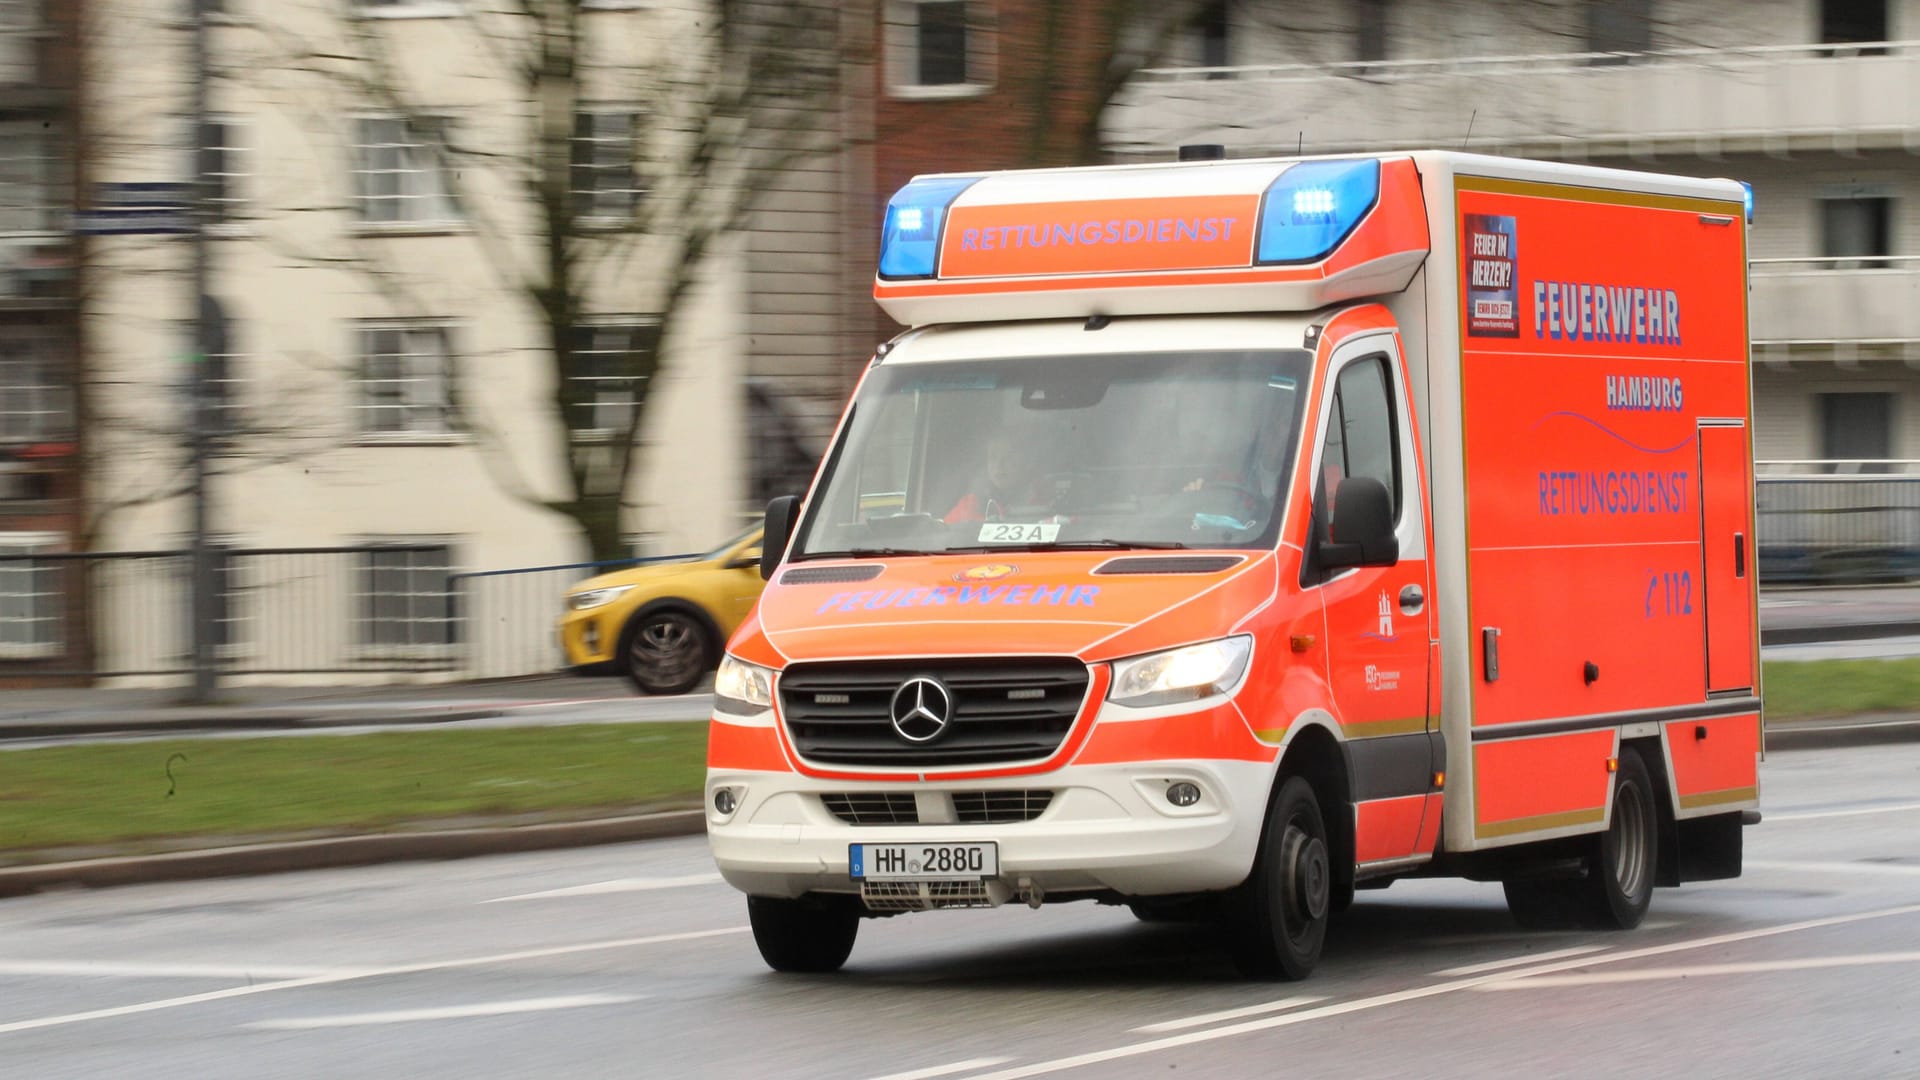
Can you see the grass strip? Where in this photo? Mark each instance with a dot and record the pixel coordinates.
(1797, 689)
(116, 793)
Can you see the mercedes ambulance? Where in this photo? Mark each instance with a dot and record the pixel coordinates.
(1224, 537)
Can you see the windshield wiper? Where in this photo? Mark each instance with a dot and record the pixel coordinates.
(1081, 545)
(861, 553)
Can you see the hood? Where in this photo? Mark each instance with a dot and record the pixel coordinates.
(1089, 604)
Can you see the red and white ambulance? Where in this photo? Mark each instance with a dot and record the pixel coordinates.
(1225, 537)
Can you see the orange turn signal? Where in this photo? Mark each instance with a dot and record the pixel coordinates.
(1301, 642)
(1439, 780)
(1613, 764)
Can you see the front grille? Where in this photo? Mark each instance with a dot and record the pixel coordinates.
(924, 895)
(1003, 710)
(999, 807)
(873, 807)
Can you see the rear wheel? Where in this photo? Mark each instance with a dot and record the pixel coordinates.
(665, 651)
(811, 935)
(1277, 920)
(1617, 887)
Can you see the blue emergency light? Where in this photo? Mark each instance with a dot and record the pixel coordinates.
(1309, 209)
(1748, 189)
(910, 237)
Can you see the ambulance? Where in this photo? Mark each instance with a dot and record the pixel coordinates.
(1225, 537)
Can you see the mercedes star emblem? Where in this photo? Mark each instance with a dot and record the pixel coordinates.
(921, 709)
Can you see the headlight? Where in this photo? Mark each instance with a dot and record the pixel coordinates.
(581, 601)
(740, 687)
(1184, 674)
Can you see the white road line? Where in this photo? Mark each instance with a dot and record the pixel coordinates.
(618, 885)
(1516, 961)
(450, 1012)
(120, 969)
(1816, 815)
(1226, 1014)
(945, 1070)
(1343, 1008)
(1750, 968)
(1900, 869)
(350, 976)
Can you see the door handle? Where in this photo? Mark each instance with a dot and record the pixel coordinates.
(1739, 555)
(1411, 600)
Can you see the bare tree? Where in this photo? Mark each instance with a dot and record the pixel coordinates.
(577, 211)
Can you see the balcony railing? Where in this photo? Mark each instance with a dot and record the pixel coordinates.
(1757, 97)
(1838, 522)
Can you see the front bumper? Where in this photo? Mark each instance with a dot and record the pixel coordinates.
(591, 636)
(1107, 827)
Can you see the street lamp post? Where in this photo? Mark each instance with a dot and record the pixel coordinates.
(207, 325)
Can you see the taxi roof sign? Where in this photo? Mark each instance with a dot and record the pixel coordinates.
(1070, 242)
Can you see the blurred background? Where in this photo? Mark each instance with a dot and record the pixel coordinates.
(338, 338)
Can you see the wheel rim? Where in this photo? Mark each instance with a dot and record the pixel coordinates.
(1629, 829)
(666, 648)
(1308, 881)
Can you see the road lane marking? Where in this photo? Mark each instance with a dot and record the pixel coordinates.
(120, 969)
(1226, 1014)
(1516, 961)
(350, 976)
(1816, 815)
(1343, 1008)
(1754, 967)
(945, 1070)
(616, 886)
(1901, 869)
(449, 1012)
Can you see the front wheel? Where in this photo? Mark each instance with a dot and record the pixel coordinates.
(1277, 922)
(811, 935)
(665, 651)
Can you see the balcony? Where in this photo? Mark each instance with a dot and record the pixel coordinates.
(1874, 307)
(1771, 99)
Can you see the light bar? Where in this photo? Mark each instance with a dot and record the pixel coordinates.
(910, 237)
(1309, 209)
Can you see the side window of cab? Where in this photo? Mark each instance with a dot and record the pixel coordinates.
(1361, 439)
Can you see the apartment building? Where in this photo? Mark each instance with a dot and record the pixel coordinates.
(381, 248)
(1815, 102)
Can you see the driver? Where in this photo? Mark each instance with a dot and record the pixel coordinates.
(1009, 480)
(1258, 484)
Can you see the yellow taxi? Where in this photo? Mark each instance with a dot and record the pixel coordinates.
(663, 625)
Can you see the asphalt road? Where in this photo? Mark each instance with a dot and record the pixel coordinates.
(634, 961)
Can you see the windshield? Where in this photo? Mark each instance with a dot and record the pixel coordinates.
(1190, 449)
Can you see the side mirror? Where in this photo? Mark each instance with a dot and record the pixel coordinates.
(1362, 527)
(781, 513)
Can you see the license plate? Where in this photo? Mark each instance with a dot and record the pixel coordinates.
(923, 862)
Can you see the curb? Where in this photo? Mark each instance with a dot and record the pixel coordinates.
(333, 852)
(187, 725)
(1819, 635)
(1836, 733)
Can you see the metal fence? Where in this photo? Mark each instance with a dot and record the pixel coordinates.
(1838, 522)
(283, 611)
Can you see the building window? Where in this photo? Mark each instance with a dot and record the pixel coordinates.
(1856, 227)
(1210, 27)
(405, 595)
(36, 403)
(604, 181)
(1856, 427)
(398, 174)
(610, 362)
(1843, 22)
(406, 376)
(1371, 39)
(1620, 29)
(26, 179)
(409, 9)
(30, 596)
(938, 48)
(221, 163)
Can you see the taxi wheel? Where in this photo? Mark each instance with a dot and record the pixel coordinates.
(811, 935)
(665, 650)
(1278, 921)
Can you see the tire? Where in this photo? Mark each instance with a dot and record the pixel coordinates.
(811, 935)
(1619, 884)
(666, 650)
(1277, 920)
